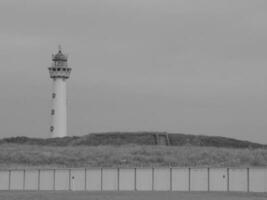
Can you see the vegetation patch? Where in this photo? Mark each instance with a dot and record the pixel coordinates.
(33, 156)
(137, 138)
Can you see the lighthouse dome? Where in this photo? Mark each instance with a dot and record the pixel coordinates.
(60, 57)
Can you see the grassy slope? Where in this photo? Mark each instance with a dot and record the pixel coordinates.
(131, 195)
(16, 155)
(139, 138)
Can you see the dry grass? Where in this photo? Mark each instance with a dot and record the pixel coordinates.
(21, 156)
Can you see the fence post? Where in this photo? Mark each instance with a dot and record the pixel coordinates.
(9, 179)
(228, 180)
(152, 178)
(118, 179)
(135, 188)
(85, 179)
(39, 179)
(69, 179)
(248, 180)
(189, 179)
(208, 179)
(101, 179)
(171, 179)
(54, 179)
(24, 172)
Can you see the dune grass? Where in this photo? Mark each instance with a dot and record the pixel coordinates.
(24, 156)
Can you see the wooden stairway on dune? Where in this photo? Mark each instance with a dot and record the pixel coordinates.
(162, 139)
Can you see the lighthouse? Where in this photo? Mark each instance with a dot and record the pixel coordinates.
(59, 73)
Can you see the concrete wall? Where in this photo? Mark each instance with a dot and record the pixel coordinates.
(162, 179)
(4, 180)
(16, 179)
(198, 180)
(258, 180)
(218, 179)
(180, 179)
(110, 179)
(78, 178)
(136, 179)
(144, 180)
(127, 179)
(46, 179)
(93, 179)
(31, 180)
(238, 180)
(62, 179)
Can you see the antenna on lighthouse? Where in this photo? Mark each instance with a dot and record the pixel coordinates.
(59, 47)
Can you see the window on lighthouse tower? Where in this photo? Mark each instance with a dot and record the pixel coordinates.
(52, 128)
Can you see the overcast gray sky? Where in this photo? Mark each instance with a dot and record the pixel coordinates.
(185, 66)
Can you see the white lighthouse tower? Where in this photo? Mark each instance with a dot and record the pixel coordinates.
(59, 73)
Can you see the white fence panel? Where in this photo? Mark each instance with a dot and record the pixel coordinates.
(31, 179)
(257, 180)
(180, 177)
(93, 179)
(238, 180)
(162, 179)
(218, 179)
(4, 180)
(199, 180)
(16, 180)
(110, 179)
(77, 179)
(127, 180)
(62, 179)
(46, 179)
(144, 179)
